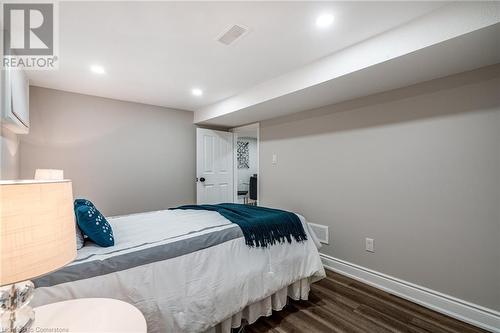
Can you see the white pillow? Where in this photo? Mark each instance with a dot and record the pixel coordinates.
(79, 238)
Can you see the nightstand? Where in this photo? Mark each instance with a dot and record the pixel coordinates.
(89, 315)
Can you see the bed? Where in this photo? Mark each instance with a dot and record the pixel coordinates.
(187, 271)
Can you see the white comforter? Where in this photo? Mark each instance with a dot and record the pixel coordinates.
(195, 291)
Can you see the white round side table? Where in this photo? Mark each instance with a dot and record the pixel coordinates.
(89, 315)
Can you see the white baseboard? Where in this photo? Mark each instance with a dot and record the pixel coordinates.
(474, 314)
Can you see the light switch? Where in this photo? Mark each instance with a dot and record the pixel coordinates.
(275, 159)
(369, 245)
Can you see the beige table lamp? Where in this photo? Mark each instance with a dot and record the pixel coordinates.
(37, 236)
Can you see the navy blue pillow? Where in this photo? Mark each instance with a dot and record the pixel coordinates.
(80, 238)
(94, 225)
(82, 202)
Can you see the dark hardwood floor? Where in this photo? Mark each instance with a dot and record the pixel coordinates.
(341, 304)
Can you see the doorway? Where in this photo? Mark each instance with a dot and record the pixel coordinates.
(227, 165)
(246, 164)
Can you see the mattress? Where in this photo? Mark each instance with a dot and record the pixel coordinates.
(185, 270)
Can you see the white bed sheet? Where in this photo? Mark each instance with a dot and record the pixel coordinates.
(193, 292)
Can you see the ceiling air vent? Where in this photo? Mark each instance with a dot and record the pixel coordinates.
(232, 34)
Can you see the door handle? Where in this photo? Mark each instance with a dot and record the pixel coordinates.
(202, 179)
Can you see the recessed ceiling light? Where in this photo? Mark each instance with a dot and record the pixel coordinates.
(197, 92)
(324, 20)
(97, 69)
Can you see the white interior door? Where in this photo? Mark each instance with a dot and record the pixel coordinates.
(214, 166)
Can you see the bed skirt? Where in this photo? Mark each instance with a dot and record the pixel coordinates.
(277, 301)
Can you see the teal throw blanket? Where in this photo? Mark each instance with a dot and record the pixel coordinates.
(261, 226)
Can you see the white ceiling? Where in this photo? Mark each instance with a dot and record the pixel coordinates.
(455, 38)
(156, 52)
(467, 52)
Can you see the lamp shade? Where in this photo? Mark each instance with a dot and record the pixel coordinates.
(49, 174)
(37, 228)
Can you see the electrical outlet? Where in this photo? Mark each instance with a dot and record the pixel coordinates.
(274, 160)
(369, 245)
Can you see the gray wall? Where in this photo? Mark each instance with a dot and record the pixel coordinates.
(9, 154)
(9, 142)
(417, 169)
(125, 157)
